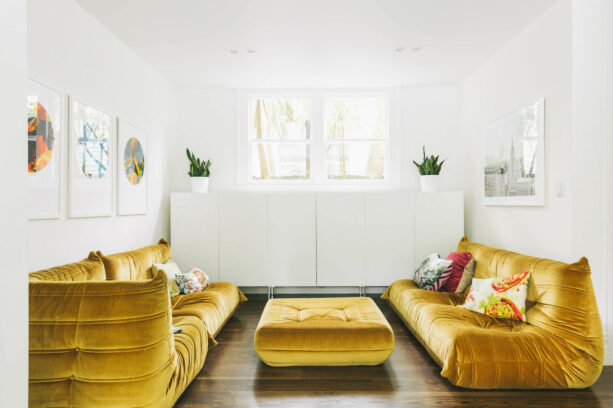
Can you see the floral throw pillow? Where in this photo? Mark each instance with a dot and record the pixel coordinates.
(193, 281)
(503, 297)
(432, 273)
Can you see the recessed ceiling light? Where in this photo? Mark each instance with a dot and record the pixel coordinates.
(233, 51)
(400, 48)
(250, 51)
(416, 48)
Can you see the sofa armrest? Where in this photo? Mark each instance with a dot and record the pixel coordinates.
(100, 343)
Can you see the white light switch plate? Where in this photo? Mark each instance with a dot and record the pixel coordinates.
(561, 189)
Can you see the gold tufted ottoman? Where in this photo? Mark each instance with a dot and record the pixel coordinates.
(323, 332)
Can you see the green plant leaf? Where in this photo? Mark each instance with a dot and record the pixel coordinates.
(430, 164)
(197, 167)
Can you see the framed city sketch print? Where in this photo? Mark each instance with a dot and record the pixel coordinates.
(45, 129)
(132, 170)
(91, 161)
(514, 156)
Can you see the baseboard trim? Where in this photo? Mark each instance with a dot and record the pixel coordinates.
(310, 290)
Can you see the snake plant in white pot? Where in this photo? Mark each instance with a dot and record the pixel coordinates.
(429, 170)
(199, 172)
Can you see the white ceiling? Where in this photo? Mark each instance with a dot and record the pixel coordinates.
(327, 43)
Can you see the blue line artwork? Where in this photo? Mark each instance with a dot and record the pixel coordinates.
(93, 151)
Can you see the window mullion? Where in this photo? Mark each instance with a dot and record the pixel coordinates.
(318, 159)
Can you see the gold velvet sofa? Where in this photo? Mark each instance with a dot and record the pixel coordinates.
(100, 331)
(560, 346)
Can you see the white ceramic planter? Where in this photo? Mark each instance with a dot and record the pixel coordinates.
(200, 184)
(429, 183)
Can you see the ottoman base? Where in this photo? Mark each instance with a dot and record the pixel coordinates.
(323, 358)
(323, 332)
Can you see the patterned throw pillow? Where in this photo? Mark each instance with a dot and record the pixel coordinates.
(467, 276)
(432, 273)
(460, 260)
(171, 269)
(503, 297)
(193, 281)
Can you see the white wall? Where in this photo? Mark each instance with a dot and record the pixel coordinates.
(207, 122)
(430, 117)
(70, 51)
(14, 300)
(592, 148)
(537, 63)
(565, 56)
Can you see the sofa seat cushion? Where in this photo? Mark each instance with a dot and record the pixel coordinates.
(191, 346)
(405, 290)
(214, 305)
(478, 351)
(326, 331)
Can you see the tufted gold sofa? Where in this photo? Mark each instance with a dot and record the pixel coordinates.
(100, 332)
(560, 346)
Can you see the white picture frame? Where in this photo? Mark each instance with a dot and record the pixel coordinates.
(92, 141)
(132, 172)
(45, 139)
(514, 158)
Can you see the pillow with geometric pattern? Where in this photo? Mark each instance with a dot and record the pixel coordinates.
(432, 273)
(502, 297)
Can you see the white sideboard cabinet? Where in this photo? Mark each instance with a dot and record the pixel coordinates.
(292, 240)
(313, 239)
(341, 239)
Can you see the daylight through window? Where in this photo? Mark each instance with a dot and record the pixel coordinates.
(349, 142)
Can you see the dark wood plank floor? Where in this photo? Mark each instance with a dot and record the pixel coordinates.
(233, 376)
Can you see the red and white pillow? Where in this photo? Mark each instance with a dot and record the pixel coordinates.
(460, 262)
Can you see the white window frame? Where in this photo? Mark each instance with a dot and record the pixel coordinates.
(318, 169)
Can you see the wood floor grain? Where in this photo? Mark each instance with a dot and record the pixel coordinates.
(233, 376)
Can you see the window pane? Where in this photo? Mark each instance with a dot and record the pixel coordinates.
(356, 160)
(280, 118)
(355, 118)
(280, 161)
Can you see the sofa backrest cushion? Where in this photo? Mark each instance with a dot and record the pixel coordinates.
(89, 269)
(136, 264)
(561, 297)
(100, 343)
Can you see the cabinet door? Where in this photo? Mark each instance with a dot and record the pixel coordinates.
(389, 237)
(243, 239)
(340, 239)
(439, 223)
(194, 231)
(291, 238)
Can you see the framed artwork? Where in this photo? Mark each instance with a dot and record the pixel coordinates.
(91, 161)
(132, 170)
(44, 145)
(514, 158)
